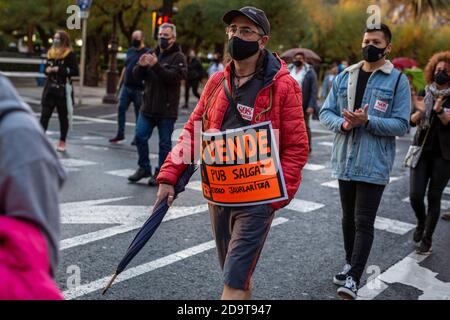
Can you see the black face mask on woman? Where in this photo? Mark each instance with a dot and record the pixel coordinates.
(441, 77)
(240, 49)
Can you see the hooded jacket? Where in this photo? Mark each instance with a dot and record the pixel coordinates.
(30, 172)
(280, 101)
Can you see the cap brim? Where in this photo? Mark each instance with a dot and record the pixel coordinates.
(230, 15)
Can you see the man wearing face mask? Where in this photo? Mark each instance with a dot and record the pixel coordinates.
(162, 72)
(255, 87)
(368, 106)
(306, 77)
(130, 89)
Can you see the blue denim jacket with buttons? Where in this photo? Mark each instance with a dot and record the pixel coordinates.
(367, 153)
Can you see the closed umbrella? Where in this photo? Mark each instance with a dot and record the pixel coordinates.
(150, 226)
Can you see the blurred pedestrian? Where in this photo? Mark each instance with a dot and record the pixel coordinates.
(30, 180)
(58, 91)
(432, 118)
(194, 76)
(306, 77)
(216, 65)
(328, 81)
(368, 106)
(130, 90)
(162, 72)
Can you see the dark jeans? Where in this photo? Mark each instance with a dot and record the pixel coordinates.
(360, 201)
(48, 106)
(127, 95)
(434, 172)
(144, 130)
(194, 85)
(308, 128)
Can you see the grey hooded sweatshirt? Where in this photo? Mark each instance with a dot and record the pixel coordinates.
(31, 175)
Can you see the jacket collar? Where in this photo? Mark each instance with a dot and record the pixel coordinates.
(386, 68)
(174, 48)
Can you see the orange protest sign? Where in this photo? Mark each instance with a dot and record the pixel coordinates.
(242, 166)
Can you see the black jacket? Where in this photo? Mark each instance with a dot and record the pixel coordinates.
(67, 68)
(162, 83)
(438, 131)
(195, 70)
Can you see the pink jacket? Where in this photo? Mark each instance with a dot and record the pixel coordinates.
(24, 263)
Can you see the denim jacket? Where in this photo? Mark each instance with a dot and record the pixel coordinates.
(367, 153)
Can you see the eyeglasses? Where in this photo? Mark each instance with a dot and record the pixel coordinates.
(243, 32)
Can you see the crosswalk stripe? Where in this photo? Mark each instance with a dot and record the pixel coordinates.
(148, 267)
(393, 226)
(313, 167)
(447, 190)
(326, 143)
(303, 205)
(172, 214)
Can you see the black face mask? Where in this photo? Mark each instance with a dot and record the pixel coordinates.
(163, 43)
(240, 49)
(297, 63)
(372, 53)
(136, 43)
(441, 77)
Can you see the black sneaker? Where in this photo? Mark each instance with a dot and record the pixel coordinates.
(424, 248)
(349, 291)
(340, 278)
(418, 234)
(117, 139)
(152, 181)
(139, 174)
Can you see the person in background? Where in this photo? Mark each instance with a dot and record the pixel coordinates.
(58, 91)
(328, 81)
(30, 180)
(306, 78)
(194, 76)
(130, 89)
(162, 72)
(432, 118)
(215, 66)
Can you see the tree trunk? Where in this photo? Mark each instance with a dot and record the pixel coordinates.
(30, 32)
(93, 52)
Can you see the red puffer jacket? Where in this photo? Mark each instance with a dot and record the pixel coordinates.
(284, 110)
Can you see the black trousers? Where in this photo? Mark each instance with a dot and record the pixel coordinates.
(434, 172)
(360, 202)
(194, 85)
(49, 103)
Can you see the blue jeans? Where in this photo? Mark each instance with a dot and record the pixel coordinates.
(144, 130)
(128, 95)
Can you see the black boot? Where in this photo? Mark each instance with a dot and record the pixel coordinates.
(139, 174)
(418, 233)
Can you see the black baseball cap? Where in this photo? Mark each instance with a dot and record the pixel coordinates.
(256, 15)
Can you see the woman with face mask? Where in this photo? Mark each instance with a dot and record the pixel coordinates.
(432, 117)
(58, 90)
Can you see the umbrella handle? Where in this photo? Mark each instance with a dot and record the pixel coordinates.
(110, 283)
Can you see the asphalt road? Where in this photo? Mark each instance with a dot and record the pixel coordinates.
(101, 212)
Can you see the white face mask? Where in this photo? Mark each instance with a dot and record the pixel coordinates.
(57, 43)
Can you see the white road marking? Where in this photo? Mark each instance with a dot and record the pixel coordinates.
(445, 204)
(112, 115)
(195, 185)
(75, 163)
(326, 143)
(87, 138)
(408, 272)
(313, 167)
(130, 218)
(393, 226)
(303, 205)
(96, 148)
(148, 267)
(447, 190)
